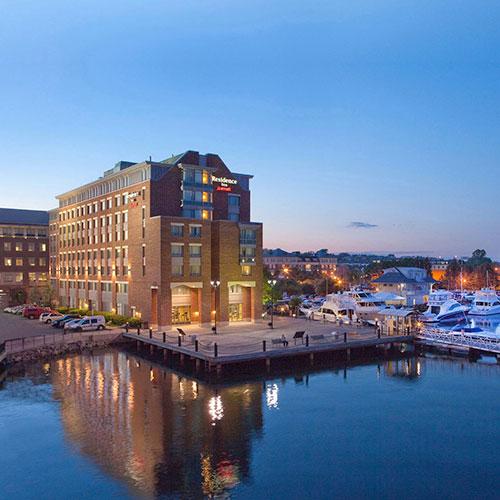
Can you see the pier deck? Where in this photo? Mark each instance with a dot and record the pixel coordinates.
(253, 342)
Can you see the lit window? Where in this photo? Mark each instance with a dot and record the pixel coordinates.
(19, 262)
(7, 261)
(246, 270)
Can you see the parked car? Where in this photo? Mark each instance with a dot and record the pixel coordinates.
(86, 323)
(34, 312)
(48, 317)
(59, 323)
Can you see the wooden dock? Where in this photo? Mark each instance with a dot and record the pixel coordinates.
(215, 353)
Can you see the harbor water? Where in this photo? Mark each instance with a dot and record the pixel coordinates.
(113, 425)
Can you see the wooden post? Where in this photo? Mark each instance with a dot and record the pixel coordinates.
(263, 346)
(345, 336)
(164, 337)
(150, 333)
(216, 349)
(307, 340)
(196, 345)
(179, 341)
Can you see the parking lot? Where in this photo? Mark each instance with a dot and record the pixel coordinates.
(13, 326)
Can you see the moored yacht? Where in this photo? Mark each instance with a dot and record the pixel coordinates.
(485, 302)
(443, 307)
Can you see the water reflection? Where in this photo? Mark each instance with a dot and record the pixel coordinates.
(164, 433)
(168, 435)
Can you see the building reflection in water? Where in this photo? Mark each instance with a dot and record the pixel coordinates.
(162, 433)
(408, 368)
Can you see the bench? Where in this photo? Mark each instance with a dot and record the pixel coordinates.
(279, 342)
(317, 337)
(298, 335)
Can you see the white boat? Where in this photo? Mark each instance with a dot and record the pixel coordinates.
(349, 306)
(485, 303)
(443, 307)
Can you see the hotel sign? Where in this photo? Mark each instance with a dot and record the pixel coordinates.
(224, 183)
(132, 199)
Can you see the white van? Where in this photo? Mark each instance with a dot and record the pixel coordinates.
(86, 323)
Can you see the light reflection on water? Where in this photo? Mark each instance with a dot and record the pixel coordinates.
(159, 433)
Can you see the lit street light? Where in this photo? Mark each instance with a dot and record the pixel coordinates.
(215, 284)
(272, 284)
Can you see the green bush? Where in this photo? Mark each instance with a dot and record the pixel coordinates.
(114, 319)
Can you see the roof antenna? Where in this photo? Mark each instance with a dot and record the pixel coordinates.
(149, 157)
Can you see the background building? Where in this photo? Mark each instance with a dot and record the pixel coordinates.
(412, 283)
(278, 260)
(23, 256)
(147, 239)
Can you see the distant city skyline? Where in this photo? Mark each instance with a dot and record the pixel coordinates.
(369, 128)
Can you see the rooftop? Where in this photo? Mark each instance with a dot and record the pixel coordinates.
(24, 217)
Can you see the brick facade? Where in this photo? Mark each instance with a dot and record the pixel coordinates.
(147, 240)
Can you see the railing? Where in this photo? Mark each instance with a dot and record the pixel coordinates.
(483, 342)
(216, 347)
(21, 344)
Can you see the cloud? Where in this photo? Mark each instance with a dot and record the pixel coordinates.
(362, 225)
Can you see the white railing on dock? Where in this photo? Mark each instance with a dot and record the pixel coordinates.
(481, 341)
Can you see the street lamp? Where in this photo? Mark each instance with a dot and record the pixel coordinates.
(272, 284)
(215, 284)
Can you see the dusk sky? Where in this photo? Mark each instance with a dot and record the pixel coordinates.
(369, 126)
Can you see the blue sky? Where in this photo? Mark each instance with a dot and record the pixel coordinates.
(383, 114)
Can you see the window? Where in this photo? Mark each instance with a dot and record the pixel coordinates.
(7, 247)
(195, 231)
(7, 262)
(177, 250)
(246, 270)
(121, 288)
(233, 200)
(31, 261)
(177, 230)
(32, 277)
(19, 277)
(234, 217)
(195, 250)
(19, 262)
(177, 269)
(19, 247)
(195, 269)
(205, 214)
(248, 236)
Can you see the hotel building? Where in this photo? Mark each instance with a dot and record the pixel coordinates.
(24, 256)
(149, 239)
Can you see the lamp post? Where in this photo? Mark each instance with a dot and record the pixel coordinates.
(272, 283)
(215, 284)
